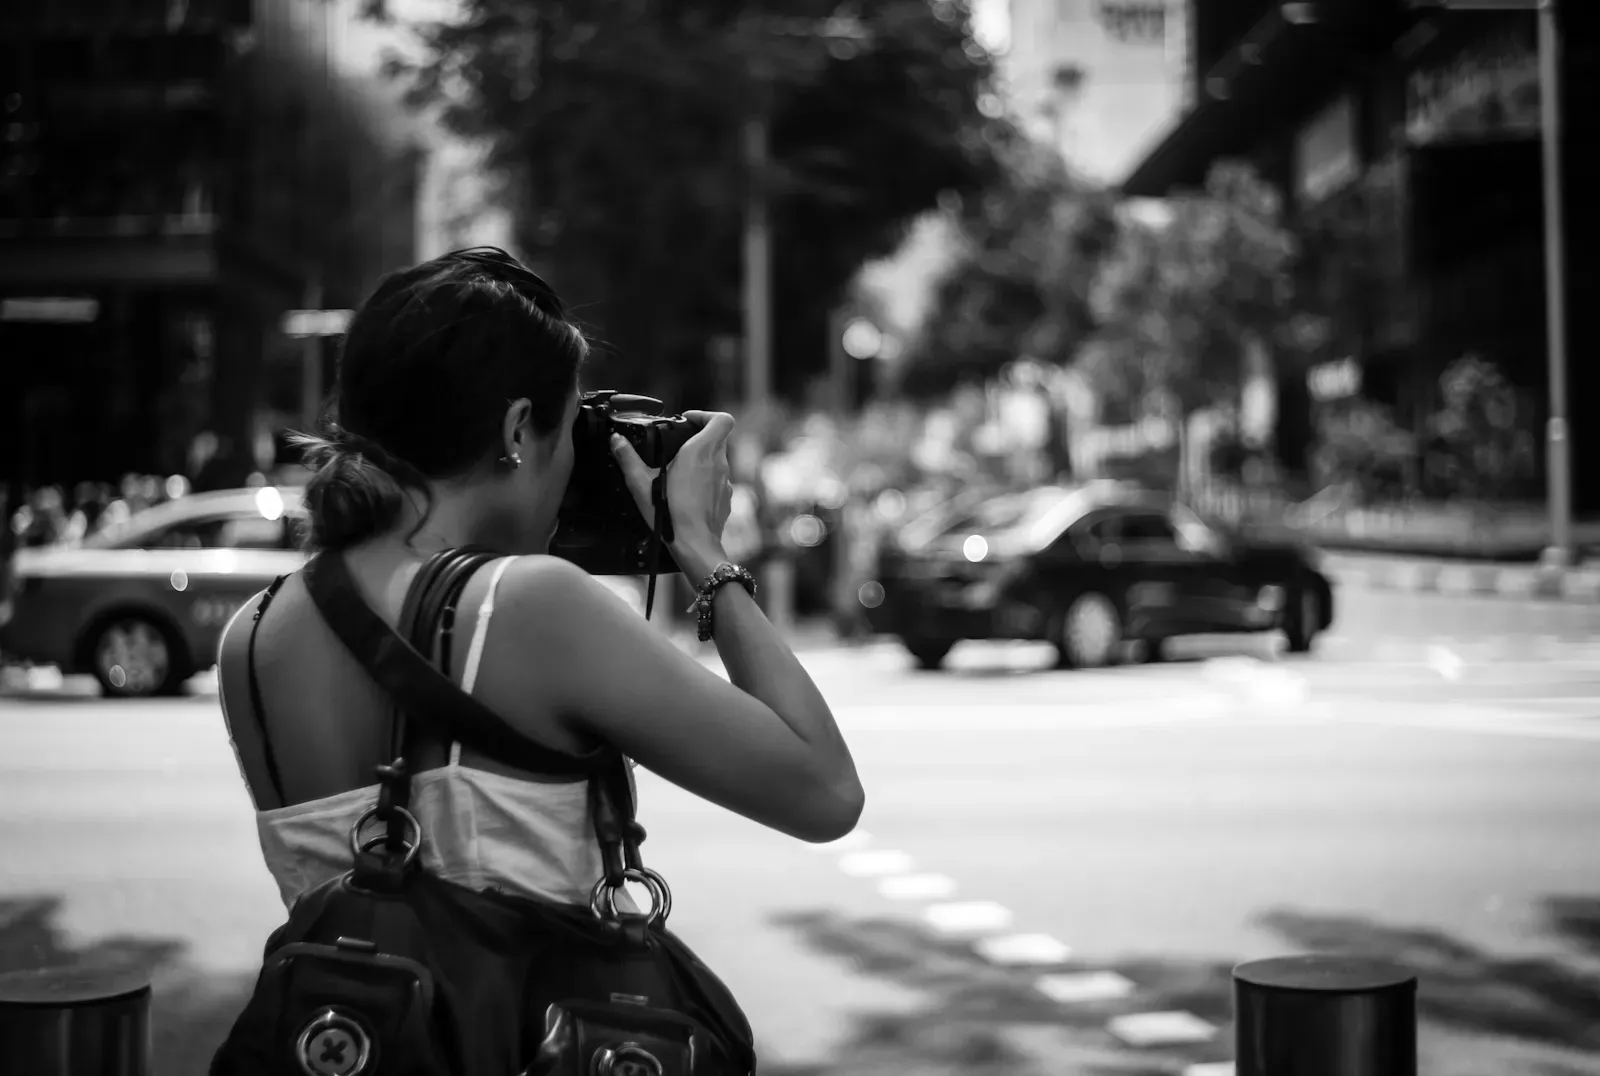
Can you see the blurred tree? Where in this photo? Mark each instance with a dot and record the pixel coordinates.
(1481, 440)
(1179, 302)
(619, 123)
(1021, 287)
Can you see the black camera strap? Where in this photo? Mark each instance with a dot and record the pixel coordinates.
(430, 696)
(660, 535)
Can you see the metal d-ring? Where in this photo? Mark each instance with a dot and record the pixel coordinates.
(359, 847)
(603, 898)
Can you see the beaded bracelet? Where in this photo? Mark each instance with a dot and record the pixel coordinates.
(720, 575)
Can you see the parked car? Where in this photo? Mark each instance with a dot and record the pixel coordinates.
(1090, 569)
(142, 605)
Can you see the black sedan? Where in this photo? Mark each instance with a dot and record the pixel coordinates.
(1088, 569)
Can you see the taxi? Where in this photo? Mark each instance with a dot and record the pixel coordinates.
(141, 605)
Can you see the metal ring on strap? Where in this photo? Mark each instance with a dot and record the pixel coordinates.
(603, 898)
(412, 847)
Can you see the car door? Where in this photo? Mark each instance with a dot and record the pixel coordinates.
(1094, 555)
(1228, 596)
(1164, 580)
(213, 564)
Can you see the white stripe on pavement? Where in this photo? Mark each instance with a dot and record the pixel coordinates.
(875, 864)
(856, 838)
(1211, 1068)
(1014, 950)
(967, 917)
(1161, 1028)
(917, 887)
(1080, 987)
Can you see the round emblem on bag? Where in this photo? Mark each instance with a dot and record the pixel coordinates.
(626, 1059)
(333, 1044)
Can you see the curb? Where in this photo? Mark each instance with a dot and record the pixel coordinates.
(1466, 580)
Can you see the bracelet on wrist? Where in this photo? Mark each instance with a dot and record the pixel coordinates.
(706, 593)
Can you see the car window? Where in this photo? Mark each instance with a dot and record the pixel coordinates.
(1148, 528)
(246, 530)
(1103, 530)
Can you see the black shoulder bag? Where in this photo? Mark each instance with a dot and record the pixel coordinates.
(389, 970)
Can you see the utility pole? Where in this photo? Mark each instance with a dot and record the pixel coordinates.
(757, 273)
(1558, 460)
(311, 361)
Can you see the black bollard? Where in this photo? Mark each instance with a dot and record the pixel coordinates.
(75, 1022)
(1324, 1016)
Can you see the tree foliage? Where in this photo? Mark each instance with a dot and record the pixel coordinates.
(1020, 287)
(619, 123)
(1179, 301)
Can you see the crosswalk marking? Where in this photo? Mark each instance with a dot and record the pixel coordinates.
(1161, 1028)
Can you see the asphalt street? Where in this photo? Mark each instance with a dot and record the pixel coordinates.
(1047, 859)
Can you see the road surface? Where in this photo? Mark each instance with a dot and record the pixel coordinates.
(1044, 853)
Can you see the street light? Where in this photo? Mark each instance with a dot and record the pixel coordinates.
(1558, 446)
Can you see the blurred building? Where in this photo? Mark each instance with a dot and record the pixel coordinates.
(174, 176)
(1410, 140)
(1101, 79)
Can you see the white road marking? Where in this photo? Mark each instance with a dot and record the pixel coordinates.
(917, 887)
(1446, 662)
(1211, 1068)
(1161, 1028)
(1015, 950)
(856, 838)
(967, 917)
(1081, 987)
(875, 864)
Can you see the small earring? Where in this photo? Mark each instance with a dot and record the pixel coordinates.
(513, 461)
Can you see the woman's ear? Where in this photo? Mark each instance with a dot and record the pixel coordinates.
(514, 429)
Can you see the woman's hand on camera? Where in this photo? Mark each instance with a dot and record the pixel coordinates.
(699, 479)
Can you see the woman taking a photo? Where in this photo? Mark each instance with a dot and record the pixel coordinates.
(457, 392)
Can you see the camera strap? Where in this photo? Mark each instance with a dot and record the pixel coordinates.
(660, 534)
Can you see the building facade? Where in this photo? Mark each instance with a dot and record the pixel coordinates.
(1100, 79)
(1407, 140)
(174, 178)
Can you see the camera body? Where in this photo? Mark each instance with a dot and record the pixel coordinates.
(600, 528)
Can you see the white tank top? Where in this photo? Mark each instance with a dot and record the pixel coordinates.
(481, 830)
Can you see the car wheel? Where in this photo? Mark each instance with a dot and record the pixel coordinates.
(1304, 619)
(928, 653)
(1088, 634)
(134, 657)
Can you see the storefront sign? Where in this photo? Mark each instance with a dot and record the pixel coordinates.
(1326, 154)
(50, 309)
(1488, 90)
(301, 323)
(1142, 22)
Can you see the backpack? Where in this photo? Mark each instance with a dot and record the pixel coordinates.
(390, 970)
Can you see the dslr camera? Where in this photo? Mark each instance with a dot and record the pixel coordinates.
(600, 528)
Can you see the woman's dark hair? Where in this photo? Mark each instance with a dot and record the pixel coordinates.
(429, 364)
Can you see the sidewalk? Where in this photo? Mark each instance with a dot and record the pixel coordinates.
(1462, 578)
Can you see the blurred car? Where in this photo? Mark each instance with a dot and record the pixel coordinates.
(142, 605)
(1088, 569)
